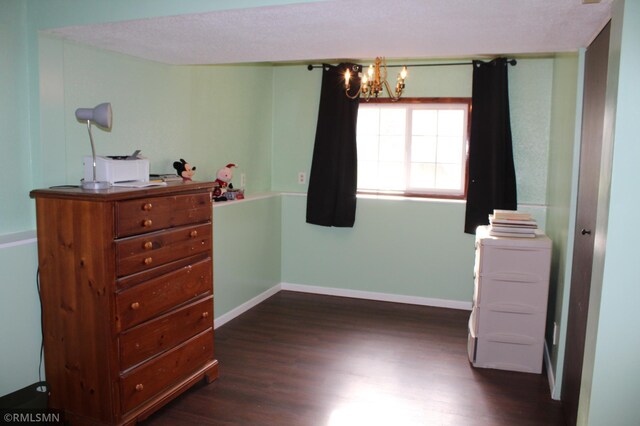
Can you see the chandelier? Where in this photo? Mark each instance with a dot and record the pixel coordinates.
(374, 80)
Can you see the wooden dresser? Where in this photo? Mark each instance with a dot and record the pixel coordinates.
(126, 282)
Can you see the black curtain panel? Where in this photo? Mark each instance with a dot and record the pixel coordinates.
(331, 198)
(491, 182)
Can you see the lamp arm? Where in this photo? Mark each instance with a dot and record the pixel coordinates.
(93, 149)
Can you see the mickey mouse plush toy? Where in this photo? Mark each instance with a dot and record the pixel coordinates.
(184, 169)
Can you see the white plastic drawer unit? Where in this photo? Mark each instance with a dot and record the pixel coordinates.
(511, 285)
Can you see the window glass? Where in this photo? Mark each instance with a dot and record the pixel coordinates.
(414, 147)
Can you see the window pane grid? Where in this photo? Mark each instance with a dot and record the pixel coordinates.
(412, 148)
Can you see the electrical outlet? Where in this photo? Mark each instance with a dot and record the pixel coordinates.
(243, 180)
(302, 178)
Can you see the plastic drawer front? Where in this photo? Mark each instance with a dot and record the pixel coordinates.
(505, 351)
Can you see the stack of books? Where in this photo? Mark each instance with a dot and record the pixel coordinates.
(512, 223)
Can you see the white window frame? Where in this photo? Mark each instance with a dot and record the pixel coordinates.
(411, 104)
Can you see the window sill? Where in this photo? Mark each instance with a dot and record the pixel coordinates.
(411, 199)
(361, 196)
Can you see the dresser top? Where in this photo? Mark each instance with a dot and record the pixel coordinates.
(116, 193)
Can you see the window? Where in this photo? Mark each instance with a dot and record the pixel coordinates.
(414, 147)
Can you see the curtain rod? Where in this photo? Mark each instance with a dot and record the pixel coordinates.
(512, 62)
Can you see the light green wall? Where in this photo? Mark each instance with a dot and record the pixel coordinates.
(560, 194)
(151, 109)
(20, 325)
(232, 122)
(247, 239)
(530, 84)
(168, 112)
(611, 373)
(409, 248)
(294, 124)
(15, 172)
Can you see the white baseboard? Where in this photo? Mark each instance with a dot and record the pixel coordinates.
(383, 297)
(550, 373)
(225, 318)
(331, 291)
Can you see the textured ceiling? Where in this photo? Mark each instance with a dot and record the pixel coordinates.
(354, 29)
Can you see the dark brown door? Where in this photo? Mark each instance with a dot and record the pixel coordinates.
(595, 82)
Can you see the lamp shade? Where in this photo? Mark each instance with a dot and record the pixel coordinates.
(100, 115)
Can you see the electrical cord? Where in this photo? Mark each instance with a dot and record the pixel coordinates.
(41, 326)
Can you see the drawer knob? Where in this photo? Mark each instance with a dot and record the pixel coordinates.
(147, 222)
(147, 260)
(205, 314)
(135, 305)
(147, 206)
(193, 234)
(139, 387)
(148, 245)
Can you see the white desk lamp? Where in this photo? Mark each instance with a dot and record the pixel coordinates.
(101, 116)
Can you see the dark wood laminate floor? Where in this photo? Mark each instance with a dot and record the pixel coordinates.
(302, 359)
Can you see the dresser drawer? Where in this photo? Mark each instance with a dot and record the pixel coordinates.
(147, 251)
(165, 332)
(158, 295)
(509, 352)
(517, 319)
(150, 378)
(151, 214)
(510, 288)
(516, 260)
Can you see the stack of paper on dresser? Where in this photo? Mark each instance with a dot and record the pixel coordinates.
(512, 223)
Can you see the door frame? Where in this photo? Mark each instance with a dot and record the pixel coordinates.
(588, 200)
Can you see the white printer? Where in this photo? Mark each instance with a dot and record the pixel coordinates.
(115, 169)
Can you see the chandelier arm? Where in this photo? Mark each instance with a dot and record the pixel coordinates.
(384, 69)
(392, 96)
(346, 91)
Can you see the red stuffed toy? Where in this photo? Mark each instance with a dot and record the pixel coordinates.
(224, 176)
